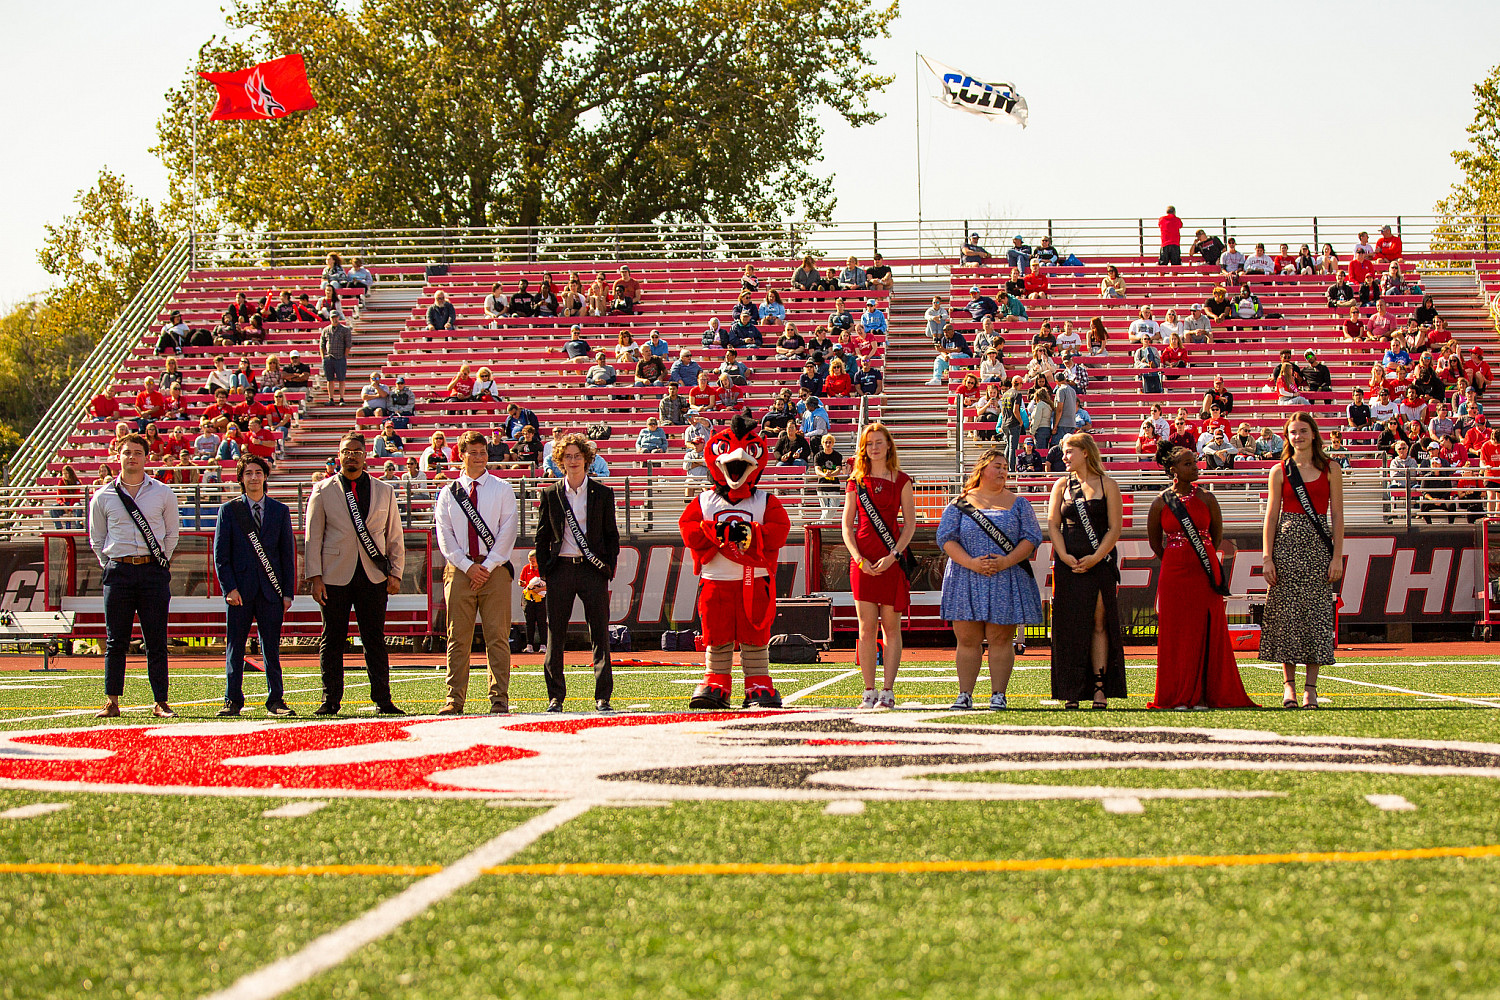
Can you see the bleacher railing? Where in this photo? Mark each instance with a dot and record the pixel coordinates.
(932, 242)
(648, 504)
(69, 408)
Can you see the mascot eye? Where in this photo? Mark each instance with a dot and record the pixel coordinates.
(716, 447)
(754, 450)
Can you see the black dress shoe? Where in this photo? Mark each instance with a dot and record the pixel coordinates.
(279, 708)
(387, 709)
(326, 709)
(555, 705)
(603, 705)
(230, 710)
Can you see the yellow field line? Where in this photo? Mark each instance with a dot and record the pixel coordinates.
(757, 868)
(1002, 865)
(62, 868)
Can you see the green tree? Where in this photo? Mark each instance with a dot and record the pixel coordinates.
(1461, 223)
(460, 113)
(102, 255)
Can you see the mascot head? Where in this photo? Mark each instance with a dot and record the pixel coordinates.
(737, 455)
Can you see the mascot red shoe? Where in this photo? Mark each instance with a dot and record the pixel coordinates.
(735, 533)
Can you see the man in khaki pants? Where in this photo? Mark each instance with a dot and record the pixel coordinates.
(479, 574)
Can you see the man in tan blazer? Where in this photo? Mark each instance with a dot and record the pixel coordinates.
(341, 574)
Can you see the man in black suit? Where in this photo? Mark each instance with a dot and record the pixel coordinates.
(251, 593)
(574, 570)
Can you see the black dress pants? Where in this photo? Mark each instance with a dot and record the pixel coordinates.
(367, 599)
(568, 579)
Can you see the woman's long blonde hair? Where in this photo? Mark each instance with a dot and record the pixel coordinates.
(1090, 448)
(862, 451)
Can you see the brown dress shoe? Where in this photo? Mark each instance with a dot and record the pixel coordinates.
(451, 710)
(162, 711)
(500, 708)
(109, 711)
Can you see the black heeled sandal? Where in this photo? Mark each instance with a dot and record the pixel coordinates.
(1101, 700)
(1288, 694)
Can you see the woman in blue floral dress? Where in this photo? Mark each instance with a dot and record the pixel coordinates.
(989, 535)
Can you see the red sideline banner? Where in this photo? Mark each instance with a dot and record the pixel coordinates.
(1434, 576)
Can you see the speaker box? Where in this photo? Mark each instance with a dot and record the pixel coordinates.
(811, 616)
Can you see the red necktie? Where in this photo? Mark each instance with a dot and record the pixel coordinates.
(474, 552)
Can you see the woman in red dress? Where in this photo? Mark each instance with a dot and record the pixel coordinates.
(1195, 665)
(881, 592)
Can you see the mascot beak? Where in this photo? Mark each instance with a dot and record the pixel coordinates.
(738, 467)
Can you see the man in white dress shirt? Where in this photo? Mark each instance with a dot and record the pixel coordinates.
(137, 580)
(479, 574)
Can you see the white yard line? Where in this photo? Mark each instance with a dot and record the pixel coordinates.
(333, 948)
(295, 810)
(820, 685)
(1388, 687)
(34, 810)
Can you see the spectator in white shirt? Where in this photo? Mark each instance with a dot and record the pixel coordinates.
(1069, 340)
(1382, 409)
(1172, 326)
(495, 305)
(1233, 262)
(1145, 327)
(1198, 328)
(991, 369)
(937, 317)
(1258, 262)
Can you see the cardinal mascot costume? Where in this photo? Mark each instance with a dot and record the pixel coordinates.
(735, 533)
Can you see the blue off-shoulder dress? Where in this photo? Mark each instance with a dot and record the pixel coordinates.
(1010, 597)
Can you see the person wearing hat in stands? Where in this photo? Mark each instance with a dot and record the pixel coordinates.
(295, 374)
(1198, 328)
(1019, 254)
(1477, 369)
(972, 252)
(1316, 375)
(1029, 459)
(980, 306)
(872, 320)
(1388, 247)
(402, 403)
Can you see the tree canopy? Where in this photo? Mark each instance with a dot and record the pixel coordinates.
(1478, 194)
(531, 112)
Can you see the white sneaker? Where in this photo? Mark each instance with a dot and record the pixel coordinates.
(887, 698)
(964, 702)
(870, 700)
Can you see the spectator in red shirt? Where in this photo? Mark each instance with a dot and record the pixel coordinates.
(149, 404)
(1478, 433)
(103, 406)
(248, 409)
(703, 395)
(1147, 440)
(1284, 262)
(1170, 227)
(219, 411)
(838, 382)
(1477, 370)
(1036, 281)
(156, 445)
(1389, 245)
(1174, 363)
(1361, 267)
(259, 441)
(1355, 328)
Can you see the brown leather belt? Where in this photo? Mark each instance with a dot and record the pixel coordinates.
(135, 560)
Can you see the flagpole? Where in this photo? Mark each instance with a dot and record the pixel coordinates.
(917, 79)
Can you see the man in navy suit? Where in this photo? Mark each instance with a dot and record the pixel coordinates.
(250, 591)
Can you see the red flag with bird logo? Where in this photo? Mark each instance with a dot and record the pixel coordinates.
(266, 90)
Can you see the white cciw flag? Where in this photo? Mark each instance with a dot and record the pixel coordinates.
(959, 90)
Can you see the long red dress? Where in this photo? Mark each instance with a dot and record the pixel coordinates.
(1194, 659)
(890, 587)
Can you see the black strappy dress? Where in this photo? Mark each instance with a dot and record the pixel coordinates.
(1074, 596)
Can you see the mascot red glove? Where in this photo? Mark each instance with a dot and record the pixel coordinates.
(735, 533)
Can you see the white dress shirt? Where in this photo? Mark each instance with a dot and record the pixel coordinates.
(113, 535)
(497, 506)
(579, 500)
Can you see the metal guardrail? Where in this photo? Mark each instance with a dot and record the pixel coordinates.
(63, 416)
(409, 250)
(653, 504)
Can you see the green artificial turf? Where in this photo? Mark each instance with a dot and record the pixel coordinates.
(1382, 929)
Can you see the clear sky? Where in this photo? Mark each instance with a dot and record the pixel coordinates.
(1275, 108)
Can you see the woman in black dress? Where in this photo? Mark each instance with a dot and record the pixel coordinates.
(1088, 652)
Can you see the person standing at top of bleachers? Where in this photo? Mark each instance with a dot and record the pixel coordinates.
(1170, 227)
(1019, 254)
(441, 315)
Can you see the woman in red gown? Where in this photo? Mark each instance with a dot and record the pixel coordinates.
(1195, 665)
(881, 593)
